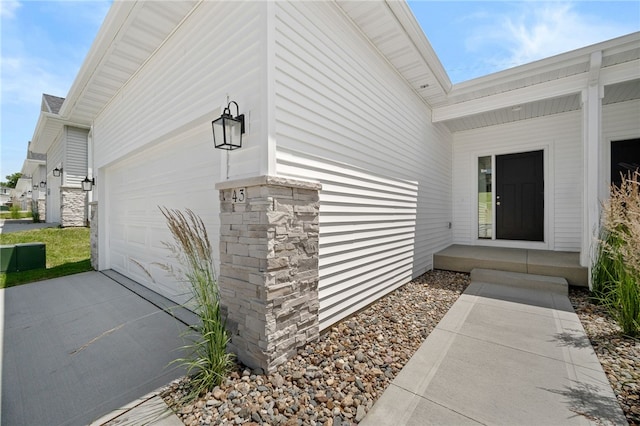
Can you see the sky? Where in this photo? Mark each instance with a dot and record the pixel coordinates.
(43, 45)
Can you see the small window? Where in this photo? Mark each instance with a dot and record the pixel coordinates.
(625, 159)
(485, 198)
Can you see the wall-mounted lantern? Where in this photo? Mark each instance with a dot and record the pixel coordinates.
(57, 172)
(43, 184)
(228, 130)
(35, 186)
(87, 184)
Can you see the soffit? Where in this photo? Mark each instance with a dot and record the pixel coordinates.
(130, 35)
(393, 30)
(621, 92)
(521, 112)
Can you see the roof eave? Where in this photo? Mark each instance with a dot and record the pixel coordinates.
(540, 66)
(49, 123)
(407, 19)
(111, 26)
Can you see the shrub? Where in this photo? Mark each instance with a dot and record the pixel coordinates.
(208, 362)
(35, 214)
(15, 211)
(616, 271)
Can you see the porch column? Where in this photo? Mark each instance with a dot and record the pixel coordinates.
(73, 206)
(268, 274)
(42, 209)
(592, 118)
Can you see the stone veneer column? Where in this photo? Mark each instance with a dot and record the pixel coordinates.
(42, 209)
(93, 233)
(268, 275)
(73, 207)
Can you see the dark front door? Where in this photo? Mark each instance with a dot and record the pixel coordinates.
(520, 196)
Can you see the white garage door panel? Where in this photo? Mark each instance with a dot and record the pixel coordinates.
(178, 173)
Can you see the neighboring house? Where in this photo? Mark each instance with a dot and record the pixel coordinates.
(22, 194)
(360, 158)
(35, 167)
(5, 195)
(64, 145)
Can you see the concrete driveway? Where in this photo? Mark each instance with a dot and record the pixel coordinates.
(78, 347)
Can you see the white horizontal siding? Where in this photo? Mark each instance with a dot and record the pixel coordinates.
(561, 137)
(75, 162)
(216, 53)
(621, 121)
(346, 119)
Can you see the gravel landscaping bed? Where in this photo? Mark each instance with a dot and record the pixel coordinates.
(336, 380)
(619, 355)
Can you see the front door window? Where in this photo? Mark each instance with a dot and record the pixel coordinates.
(485, 198)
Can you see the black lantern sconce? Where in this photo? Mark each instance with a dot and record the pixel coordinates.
(43, 184)
(87, 184)
(57, 172)
(35, 186)
(228, 130)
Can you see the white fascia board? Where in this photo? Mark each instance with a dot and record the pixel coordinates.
(620, 73)
(23, 184)
(548, 90)
(113, 22)
(47, 120)
(29, 165)
(551, 63)
(27, 168)
(37, 145)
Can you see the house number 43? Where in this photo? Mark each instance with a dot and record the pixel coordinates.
(238, 195)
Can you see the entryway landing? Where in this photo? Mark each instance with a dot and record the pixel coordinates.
(462, 258)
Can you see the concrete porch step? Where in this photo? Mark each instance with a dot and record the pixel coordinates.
(461, 258)
(556, 285)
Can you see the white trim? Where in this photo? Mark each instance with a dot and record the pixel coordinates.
(104, 257)
(620, 73)
(538, 92)
(605, 168)
(411, 27)
(268, 165)
(592, 129)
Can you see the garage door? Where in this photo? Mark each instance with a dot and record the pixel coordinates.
(178, 173)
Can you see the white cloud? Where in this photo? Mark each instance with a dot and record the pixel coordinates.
(536, 30)
(8, 8)
(43, 56)
(24, 79)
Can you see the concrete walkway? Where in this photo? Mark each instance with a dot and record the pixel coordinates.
(78, 347)
(503, 354)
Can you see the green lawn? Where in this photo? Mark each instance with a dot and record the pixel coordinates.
(21, 215)
(68, 252)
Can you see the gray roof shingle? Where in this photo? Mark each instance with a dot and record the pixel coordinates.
(51, 103)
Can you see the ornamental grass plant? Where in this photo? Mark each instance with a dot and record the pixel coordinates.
(208, 362)
(616, 271)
